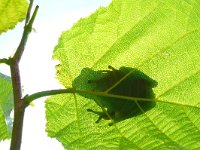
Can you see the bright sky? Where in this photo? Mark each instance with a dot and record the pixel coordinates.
(37, 68)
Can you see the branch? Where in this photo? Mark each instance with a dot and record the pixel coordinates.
(28, 99)
(19, 104)
(27, 30)
(29, 12)
(5, 61)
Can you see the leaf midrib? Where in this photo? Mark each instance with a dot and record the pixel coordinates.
(104, 94)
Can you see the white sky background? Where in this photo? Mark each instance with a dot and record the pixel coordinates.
(37, 68)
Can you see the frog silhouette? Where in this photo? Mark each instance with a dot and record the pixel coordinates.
(126, 81)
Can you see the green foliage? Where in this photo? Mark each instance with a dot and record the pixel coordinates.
(159, 38)
(11, 12)
(6, 106)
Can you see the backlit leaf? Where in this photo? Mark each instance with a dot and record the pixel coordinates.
(11, 12)
(158, 37)
(6, 106)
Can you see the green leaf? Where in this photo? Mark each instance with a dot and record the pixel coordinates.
(159, 38)
(11, 12)
(6, 106)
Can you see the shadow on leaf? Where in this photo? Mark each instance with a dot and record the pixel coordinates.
(126, 81)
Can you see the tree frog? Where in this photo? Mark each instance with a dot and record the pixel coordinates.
(126, 81)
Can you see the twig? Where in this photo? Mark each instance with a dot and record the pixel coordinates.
(28, 12)
(5, 61)
(27, 30)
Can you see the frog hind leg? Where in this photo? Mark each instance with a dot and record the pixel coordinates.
(100, 114)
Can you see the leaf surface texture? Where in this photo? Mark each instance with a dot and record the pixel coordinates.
(6, 106)
(157, 37)
(11, 12)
